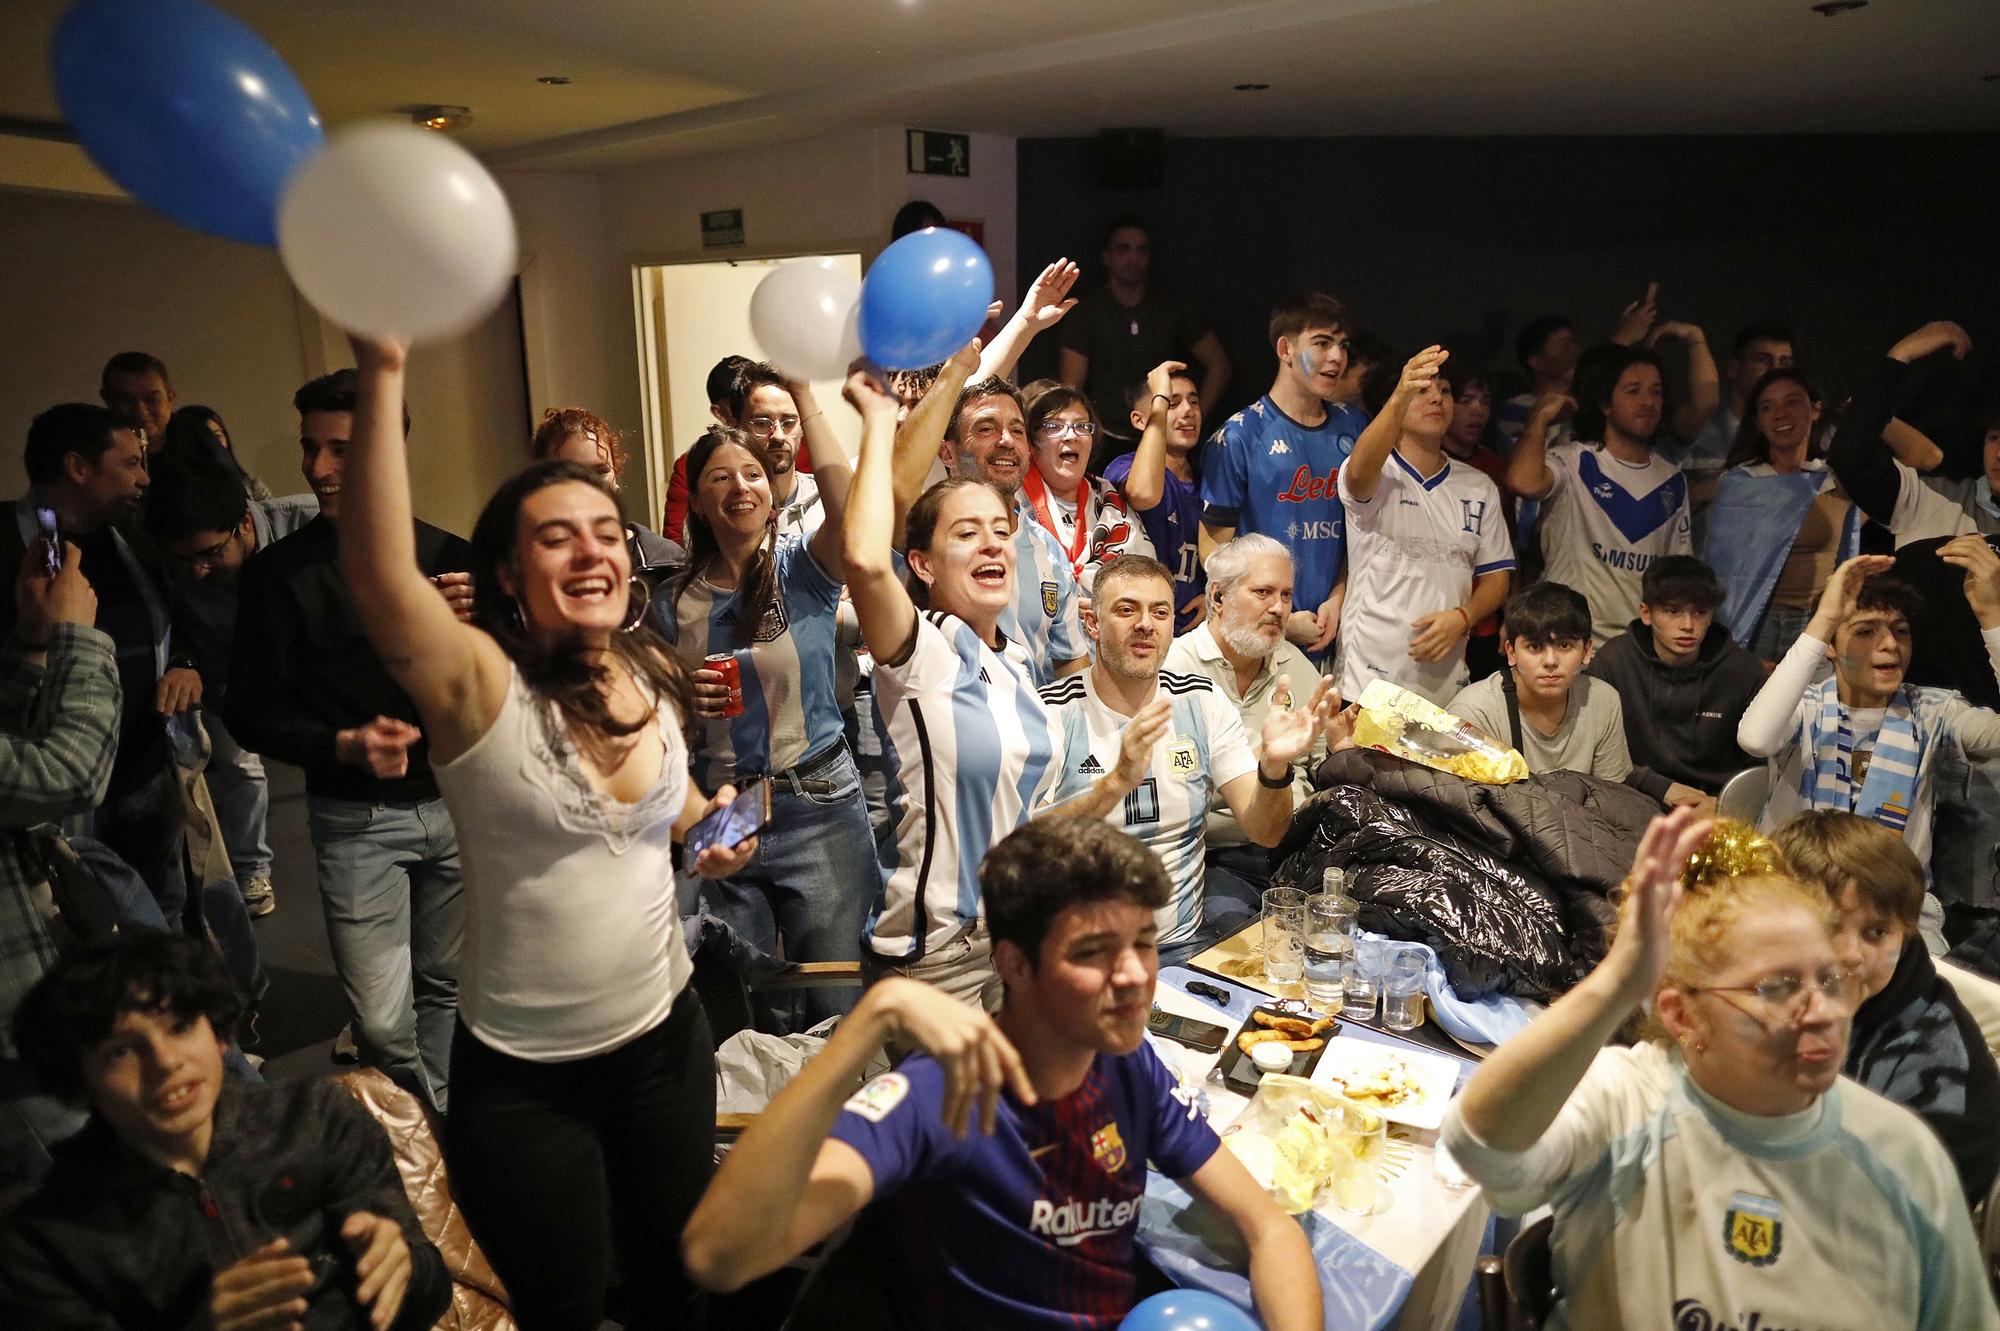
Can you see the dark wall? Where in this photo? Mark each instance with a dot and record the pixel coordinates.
(1852, 240)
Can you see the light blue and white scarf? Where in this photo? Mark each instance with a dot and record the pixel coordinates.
(1889, 793)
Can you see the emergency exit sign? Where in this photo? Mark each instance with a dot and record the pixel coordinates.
(936, 153)
(720, 228)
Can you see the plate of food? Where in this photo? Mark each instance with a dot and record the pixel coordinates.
(1288, 1026)
(1408, 1085)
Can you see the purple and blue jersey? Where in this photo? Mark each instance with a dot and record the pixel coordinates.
(1032, 1226)
(1265, 472)
(1174, 527)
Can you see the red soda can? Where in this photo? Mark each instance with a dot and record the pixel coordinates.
(724, 664)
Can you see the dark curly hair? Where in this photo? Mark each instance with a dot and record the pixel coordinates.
(73, 1007)
(562, 673)
(1064, 860)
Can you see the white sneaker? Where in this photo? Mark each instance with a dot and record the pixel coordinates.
(259, 897)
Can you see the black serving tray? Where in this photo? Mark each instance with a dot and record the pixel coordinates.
(1242, 1075)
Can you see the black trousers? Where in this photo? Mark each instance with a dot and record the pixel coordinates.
(559, 1165)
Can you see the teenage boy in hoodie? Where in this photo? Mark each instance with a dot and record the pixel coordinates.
(1683, 683)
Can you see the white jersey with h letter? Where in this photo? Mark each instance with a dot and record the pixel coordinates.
(1204, 749)
(1414, 548)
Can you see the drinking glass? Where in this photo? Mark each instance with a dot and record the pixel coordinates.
(1360, 1140)
(1284, 935)
(1403, 966)
(1329, 922)
(1363, 978)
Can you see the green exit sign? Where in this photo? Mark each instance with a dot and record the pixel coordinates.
(936, 153)
(720, 228)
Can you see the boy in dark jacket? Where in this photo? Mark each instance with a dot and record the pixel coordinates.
(188, 1200)
(1913, 1040)
(1684, 684)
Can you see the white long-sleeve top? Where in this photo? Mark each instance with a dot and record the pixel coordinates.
(1782, 720)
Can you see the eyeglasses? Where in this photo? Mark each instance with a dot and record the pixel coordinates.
(209, 555)
(763, 427)
(1057, 429)
(1788, 996)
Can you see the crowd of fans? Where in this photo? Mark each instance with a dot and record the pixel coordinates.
(1025, 691)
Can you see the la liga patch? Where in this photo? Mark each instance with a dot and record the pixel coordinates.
(874, 1101)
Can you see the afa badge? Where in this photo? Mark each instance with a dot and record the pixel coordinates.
(1752, 1230)
(1049, 599)
(1183, 758)
(1108, 1148)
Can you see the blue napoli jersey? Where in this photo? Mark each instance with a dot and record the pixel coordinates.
(1044, 617)
(791, 711)
(1034, 1225)
(1267, 473)
(1174, 527)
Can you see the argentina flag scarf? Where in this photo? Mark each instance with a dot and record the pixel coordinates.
(1889, 792)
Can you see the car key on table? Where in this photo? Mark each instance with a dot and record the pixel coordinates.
(1213, 993)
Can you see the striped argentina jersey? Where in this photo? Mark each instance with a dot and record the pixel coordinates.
(1204, 749)
(1043, 618)
(790, 710)
(968, 747)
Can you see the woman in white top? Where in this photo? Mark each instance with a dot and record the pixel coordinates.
(969, 747)
(585, 1117)
(1724, 1175)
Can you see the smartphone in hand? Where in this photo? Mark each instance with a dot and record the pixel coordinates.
(52, 541)
(732, 824)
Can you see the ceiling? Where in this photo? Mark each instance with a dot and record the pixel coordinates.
(660, 77)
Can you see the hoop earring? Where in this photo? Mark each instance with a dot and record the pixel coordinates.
(644, 597)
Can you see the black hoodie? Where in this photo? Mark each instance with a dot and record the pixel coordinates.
(1680, 721)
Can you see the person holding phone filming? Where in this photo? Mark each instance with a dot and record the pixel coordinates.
(583, 1093)
(768, 604)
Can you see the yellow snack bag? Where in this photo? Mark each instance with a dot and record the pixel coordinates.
(1394, 720)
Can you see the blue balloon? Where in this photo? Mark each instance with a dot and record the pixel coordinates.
(1187, 1310)
(924, 298)
(186, 108)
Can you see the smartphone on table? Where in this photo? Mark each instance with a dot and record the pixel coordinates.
(1202, 1035)
(731, 825)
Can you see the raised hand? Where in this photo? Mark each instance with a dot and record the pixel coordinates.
(1421, 371)
(1933, 336)
(1637, 317)
(1135, 749)
(1973, 554)
(866, 395)
(1160, 379)
(1638, 955)
(1550, 408)
(384, 352)
(1686, 332)
(41, 602)
(978, 1061)
(1843, 590)
(1289, 733)
(1048, 298)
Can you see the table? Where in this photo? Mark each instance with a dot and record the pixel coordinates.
(1431, 1231)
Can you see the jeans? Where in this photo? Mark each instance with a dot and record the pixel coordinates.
(963, 968)
(146, 827)
(559, 1164)
(1965, 829)
(1232, 895)
(811, 881)
(1778, 630)
(242, 800)
(389, 883)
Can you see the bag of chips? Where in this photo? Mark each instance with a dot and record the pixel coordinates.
(1397, 721)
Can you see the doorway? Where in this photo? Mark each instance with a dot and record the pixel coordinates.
(690, 316)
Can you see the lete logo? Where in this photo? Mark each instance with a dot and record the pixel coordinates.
(1306, 486)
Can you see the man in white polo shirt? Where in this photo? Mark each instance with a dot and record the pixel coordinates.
(1161, 797)
(1613, 506)
(1427, 549)
(1241, 647)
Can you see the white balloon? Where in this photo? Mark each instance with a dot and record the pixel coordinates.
(396, 231)
(803, 314)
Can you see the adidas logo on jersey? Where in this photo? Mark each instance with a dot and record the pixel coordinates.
(1090, 766)
(1279, 446)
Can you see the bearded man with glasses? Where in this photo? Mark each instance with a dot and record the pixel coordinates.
(762, 408)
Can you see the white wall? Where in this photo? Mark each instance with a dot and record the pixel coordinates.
(82, 279)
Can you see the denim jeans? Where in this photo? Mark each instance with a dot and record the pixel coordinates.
(1965, 829)
(146, 827)
(242, 800)
(389, 883)
(811, 881)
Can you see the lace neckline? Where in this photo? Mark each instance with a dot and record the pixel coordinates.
(556, 767)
